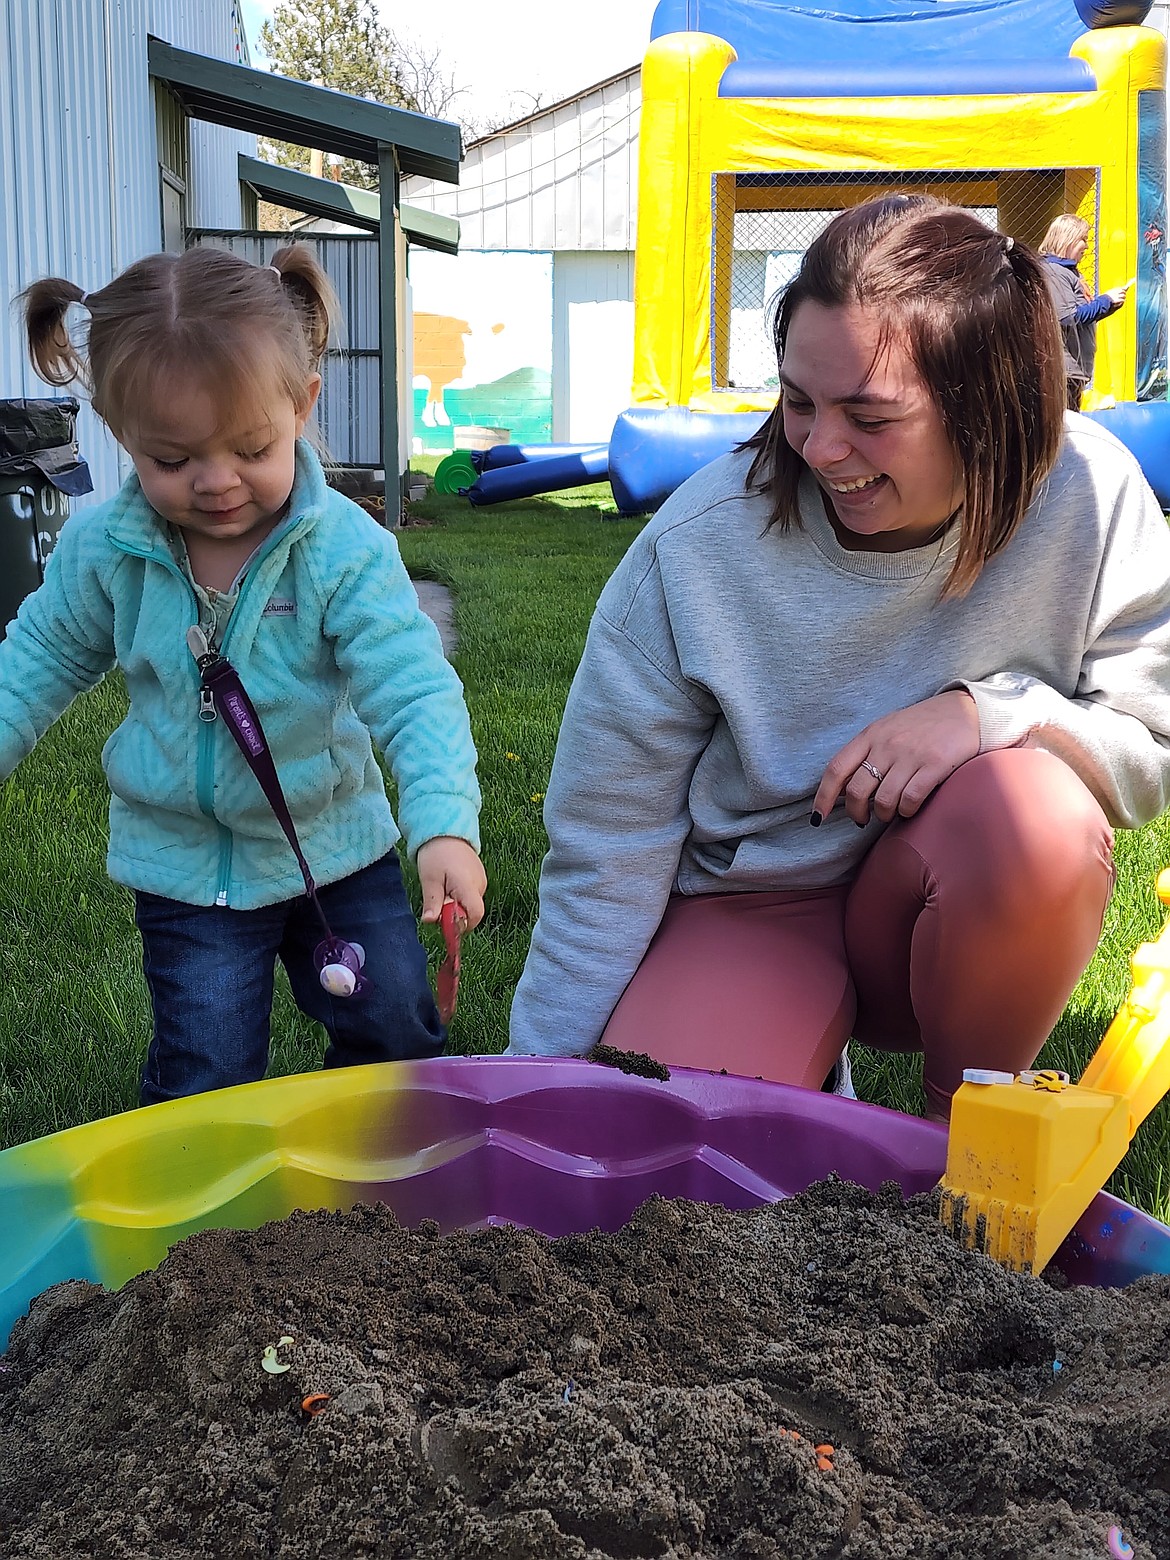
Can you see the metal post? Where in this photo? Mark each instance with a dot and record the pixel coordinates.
(388, 319)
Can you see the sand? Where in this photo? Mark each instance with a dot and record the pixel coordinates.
(660, 1392)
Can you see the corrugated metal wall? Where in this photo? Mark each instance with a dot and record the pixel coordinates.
(565, 179)
(213, 200)
(349, 411)
(79, 177)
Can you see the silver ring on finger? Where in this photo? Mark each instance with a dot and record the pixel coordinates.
(871, 770)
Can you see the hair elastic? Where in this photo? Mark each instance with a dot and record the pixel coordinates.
(1007, 245)
(277, 273)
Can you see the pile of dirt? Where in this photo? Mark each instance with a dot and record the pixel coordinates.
(661, 1392)
(638, 1064)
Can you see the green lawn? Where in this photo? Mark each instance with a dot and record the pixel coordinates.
(73, 1011)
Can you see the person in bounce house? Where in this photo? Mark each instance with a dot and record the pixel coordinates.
(1063, 248)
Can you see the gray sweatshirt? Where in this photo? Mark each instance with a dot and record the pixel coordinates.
(726, 664)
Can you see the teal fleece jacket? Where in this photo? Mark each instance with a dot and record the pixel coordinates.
(332, 647)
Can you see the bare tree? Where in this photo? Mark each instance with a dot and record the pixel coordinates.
(436, 90)
(424, 76)
(521, 105)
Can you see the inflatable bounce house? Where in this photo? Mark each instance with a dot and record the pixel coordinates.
(762, 119)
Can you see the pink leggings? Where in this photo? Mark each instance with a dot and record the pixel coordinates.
(962, 937)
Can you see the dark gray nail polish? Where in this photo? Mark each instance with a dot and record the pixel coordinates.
(815, 819)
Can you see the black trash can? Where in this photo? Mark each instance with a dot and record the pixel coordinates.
(40, 470)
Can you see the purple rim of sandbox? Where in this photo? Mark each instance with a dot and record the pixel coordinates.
(580, 1146)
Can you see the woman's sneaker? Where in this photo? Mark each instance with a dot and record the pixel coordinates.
(840, 1079)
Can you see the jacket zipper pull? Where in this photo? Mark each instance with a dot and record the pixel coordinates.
(205, 656)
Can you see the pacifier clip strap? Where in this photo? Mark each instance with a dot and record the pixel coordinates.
(339, 962)
(238, 713)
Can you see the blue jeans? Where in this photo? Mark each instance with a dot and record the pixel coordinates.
(210, 973)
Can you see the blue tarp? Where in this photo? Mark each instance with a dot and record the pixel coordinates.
(870, 44)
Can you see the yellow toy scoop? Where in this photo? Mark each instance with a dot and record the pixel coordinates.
(1028, 1152)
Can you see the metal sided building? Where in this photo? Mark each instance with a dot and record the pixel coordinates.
(99, 165)
(122, 125)
(531, 327)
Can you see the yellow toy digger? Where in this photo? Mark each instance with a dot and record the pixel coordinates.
(1028, 1152)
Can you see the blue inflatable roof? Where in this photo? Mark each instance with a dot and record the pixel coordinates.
(888, 47)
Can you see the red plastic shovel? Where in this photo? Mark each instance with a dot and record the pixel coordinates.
(452, 924)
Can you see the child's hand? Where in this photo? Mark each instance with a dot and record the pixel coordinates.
(448, 868)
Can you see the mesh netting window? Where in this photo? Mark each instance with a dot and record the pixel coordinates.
(765, 222)
(767, 249)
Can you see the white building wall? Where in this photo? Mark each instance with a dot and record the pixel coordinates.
(593, 343)
(567, 178)
(562, 184)
(79, 178)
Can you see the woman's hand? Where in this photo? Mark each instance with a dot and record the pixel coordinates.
(1118, 294)
(448, 868)
(892, 766)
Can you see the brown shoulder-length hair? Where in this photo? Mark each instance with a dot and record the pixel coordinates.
(973, 309)
(244, 332)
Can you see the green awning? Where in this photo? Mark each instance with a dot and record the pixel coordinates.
(261, 103)
(345, 203)
(428, 230)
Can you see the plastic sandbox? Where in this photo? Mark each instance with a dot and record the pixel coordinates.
(559, 1146)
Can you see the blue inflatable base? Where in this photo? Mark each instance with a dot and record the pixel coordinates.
(529, 476)
(652, 450)
(520, 454)
(1144, 428)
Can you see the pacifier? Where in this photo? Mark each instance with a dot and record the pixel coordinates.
(340, 964)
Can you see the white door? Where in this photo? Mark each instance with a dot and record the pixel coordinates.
(593, 343)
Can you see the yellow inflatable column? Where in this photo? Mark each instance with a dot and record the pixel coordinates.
(672, 266)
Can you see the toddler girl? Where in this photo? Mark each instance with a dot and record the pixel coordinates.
(206, 369)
